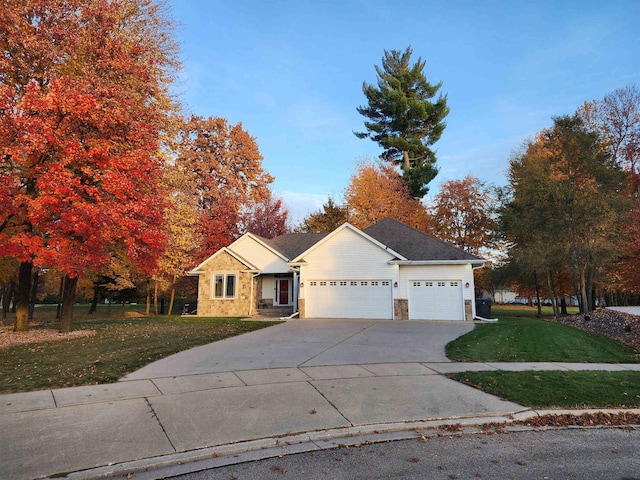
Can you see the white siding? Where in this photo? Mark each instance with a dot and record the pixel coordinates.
(347, 255)
(268, 288)
(263, 258)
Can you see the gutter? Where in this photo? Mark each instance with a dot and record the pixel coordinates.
(479, 263)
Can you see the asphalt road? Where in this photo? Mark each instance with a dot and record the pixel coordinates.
(594, 453)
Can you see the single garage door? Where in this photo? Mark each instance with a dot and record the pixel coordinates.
(349, 299)
(435, 300)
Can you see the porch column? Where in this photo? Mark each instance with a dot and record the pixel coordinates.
(295, 291)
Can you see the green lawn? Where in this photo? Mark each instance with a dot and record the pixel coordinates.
(521, 339)
(120, 346)
(559, 389)
(515, 339)
(525, 311)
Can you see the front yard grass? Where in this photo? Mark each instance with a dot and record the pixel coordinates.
(120, 346)
(531, 340)
(559, 389)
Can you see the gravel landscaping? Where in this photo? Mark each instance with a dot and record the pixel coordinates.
(617, 325)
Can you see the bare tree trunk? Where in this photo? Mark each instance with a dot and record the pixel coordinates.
(563, 306)
(590, 288)
(68, 299)
(148, 310)
(34, 293)
(7, 297)
(60, 294)
(552, 292)
(535, 279)
(406, 160)
(155, 297)
(173, 296)
(584, 299)
(22, 297)
(94, 300)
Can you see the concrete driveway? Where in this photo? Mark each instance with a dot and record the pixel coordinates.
(310, 343)
(304, 384)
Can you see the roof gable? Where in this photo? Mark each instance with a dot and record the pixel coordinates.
(416, 245)
(342, 227)
(200, 268)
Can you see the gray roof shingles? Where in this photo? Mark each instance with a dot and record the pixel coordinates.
(408, 242)
(414, 244)
(293, 244)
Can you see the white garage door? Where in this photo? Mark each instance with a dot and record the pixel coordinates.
(349, 299)
(435, 300)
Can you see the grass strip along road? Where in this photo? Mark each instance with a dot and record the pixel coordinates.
(520, 339)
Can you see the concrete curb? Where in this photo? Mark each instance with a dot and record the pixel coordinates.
(259, 449)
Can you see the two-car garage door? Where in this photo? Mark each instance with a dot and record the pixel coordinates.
(349, 299)
(428, 299)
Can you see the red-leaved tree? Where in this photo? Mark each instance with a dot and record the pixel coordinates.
(84, 94)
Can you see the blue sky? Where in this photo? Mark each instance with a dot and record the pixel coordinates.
(292, 73)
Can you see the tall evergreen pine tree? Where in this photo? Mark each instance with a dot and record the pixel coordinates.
(403, 119)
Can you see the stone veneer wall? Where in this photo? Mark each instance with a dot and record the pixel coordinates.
(301, 308)
(468, 311)
(232, 307)
(400, 309)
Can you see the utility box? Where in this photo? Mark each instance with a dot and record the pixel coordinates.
(483, 307)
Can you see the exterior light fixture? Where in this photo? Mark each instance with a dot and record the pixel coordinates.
(395, 284)
(467, 285)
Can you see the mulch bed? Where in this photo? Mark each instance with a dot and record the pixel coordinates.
(617, 325)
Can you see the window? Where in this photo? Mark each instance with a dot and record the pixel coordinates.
(441, 284)
(343, 284)
(332, 284)
(231, 286)
(313, 284)
(224, 285)
(453, 284)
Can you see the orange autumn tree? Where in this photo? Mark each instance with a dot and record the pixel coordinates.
(84, 92)
(224, 173)
(377, 192)
(616, 118)
(463, 214)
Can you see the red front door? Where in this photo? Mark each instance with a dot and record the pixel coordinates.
(283, 295)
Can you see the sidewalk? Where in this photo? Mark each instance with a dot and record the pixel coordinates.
(173, 420)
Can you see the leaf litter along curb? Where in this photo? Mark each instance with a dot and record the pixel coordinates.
(594, 419)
